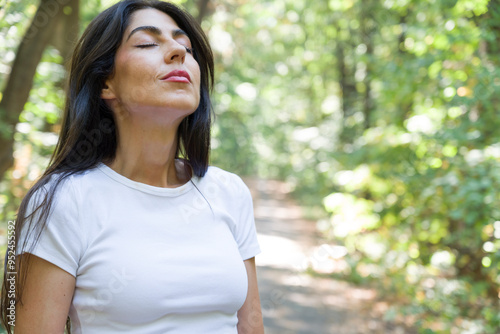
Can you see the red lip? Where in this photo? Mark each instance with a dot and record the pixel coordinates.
(177, 76)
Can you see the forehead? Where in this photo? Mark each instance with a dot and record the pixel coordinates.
(151, 17)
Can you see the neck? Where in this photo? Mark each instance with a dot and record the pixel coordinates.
(147, 155)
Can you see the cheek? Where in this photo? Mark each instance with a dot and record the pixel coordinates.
(137, 71)
(133, 78)
(197, 78)
(133, 65)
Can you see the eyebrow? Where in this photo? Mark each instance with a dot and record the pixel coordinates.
(157, 31)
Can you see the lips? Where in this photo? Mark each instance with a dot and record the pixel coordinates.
(177, 76)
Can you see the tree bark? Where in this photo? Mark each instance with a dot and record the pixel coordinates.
(402, 55)
(202, 10)
(65, 36)
(367, 38)
(67, 31)
(23, 70)
(342, 76)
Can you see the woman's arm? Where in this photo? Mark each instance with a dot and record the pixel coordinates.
(47, 296)
(250, 314)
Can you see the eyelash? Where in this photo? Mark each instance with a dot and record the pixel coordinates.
(146, 45)
(143, 46)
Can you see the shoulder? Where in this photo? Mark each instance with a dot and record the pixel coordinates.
(229, 182)
(65, 189)
(223, 186)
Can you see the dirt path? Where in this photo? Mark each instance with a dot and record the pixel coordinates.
(294, 302)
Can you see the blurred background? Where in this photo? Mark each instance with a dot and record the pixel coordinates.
(380, 116)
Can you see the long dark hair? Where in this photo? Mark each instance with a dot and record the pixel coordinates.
(88, 134)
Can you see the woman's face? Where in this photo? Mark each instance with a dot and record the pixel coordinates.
(155, 74)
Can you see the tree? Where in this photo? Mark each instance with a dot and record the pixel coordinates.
(49, 15)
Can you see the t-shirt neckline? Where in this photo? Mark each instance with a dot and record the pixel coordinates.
(159, 191)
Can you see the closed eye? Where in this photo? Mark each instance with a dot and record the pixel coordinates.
(188, 49)
(146, 45)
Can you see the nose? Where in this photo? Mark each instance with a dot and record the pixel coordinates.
(175, 53)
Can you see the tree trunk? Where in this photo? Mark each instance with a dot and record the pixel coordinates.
(402, 35)
(406, 102)
(342, 76)
(367, 38)
(202, 10)
(23, 70)
(65, 36)
(67, 31)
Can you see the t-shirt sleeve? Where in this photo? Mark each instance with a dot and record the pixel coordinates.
(246, 234)
(61, 239)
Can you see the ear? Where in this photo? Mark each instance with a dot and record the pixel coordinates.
(107, 92)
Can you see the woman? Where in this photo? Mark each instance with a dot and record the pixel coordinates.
(121, 233)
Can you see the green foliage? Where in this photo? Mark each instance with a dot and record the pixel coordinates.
(429, 167)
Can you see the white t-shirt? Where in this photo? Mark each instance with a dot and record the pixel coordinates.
(150, 259)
